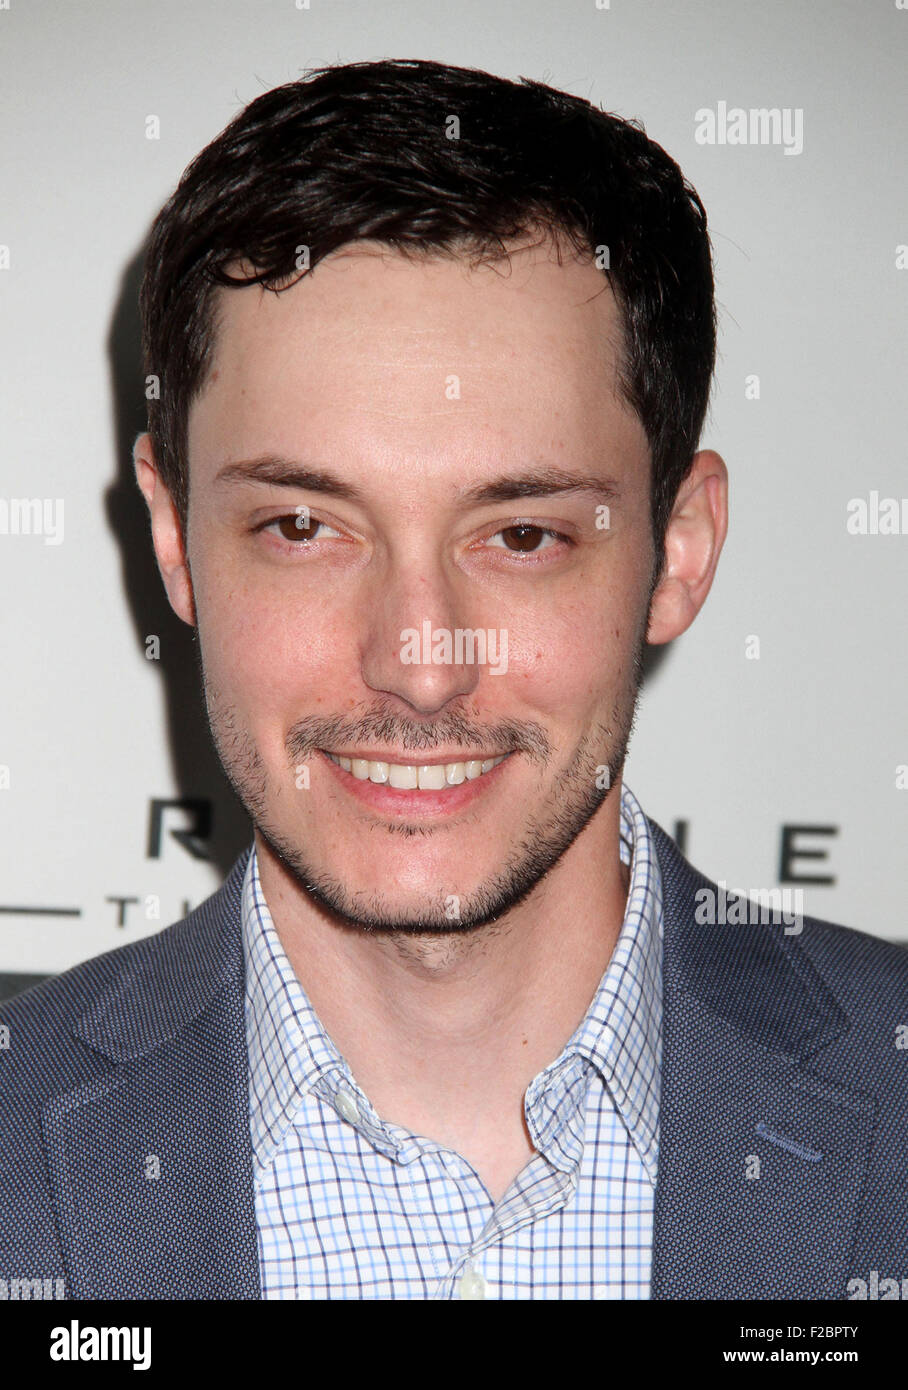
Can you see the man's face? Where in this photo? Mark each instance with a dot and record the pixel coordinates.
(416, 385)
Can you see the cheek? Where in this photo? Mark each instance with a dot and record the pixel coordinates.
(566, 664)
(271, 655)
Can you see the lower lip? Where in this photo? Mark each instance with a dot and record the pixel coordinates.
(406, 802)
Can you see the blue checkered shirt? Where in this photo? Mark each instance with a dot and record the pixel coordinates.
(348, 1206)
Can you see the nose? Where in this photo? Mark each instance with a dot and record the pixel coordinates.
(410, 646)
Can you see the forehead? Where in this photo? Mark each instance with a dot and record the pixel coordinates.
(414, 355)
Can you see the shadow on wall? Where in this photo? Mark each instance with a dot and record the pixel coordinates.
(197, 772)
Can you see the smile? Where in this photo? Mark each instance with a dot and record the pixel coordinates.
(430, 777)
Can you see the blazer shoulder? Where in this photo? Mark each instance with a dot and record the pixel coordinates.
(161, 974)
(869, 964)
(743, 950)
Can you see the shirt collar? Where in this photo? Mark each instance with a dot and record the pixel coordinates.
(290, 1054)
(289, 1051)
(620, 1035)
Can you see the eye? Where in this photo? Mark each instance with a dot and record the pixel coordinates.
(298, 528)
(522, 537)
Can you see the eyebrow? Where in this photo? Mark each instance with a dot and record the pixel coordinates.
(548, 481)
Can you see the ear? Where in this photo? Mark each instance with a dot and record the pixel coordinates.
(166, 531)
(693, 542)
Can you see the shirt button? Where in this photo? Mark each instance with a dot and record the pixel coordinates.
(472, 1284)
(346, 1104)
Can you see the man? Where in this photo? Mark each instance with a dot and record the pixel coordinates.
(434, 352)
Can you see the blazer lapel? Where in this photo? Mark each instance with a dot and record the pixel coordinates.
(150, 1160)
(762, 1155)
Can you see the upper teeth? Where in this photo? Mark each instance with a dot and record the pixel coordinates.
(429, 777)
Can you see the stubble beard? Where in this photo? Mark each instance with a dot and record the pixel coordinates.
(575, 797)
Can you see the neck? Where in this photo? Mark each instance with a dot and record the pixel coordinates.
(433, 1026)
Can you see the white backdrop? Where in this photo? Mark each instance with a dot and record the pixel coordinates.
(812, 289)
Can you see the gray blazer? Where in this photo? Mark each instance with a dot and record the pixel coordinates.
(776, 1047)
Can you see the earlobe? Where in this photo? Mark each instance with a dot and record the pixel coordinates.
(693, 542)
(166, 531)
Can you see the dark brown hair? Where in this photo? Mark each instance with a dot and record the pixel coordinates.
(363, 150)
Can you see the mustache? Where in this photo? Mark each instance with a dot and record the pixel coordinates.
(391, 730)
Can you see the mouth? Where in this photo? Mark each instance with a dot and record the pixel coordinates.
(429, 791)
(416, 776)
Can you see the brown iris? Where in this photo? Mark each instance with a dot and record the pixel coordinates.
(523, 535)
